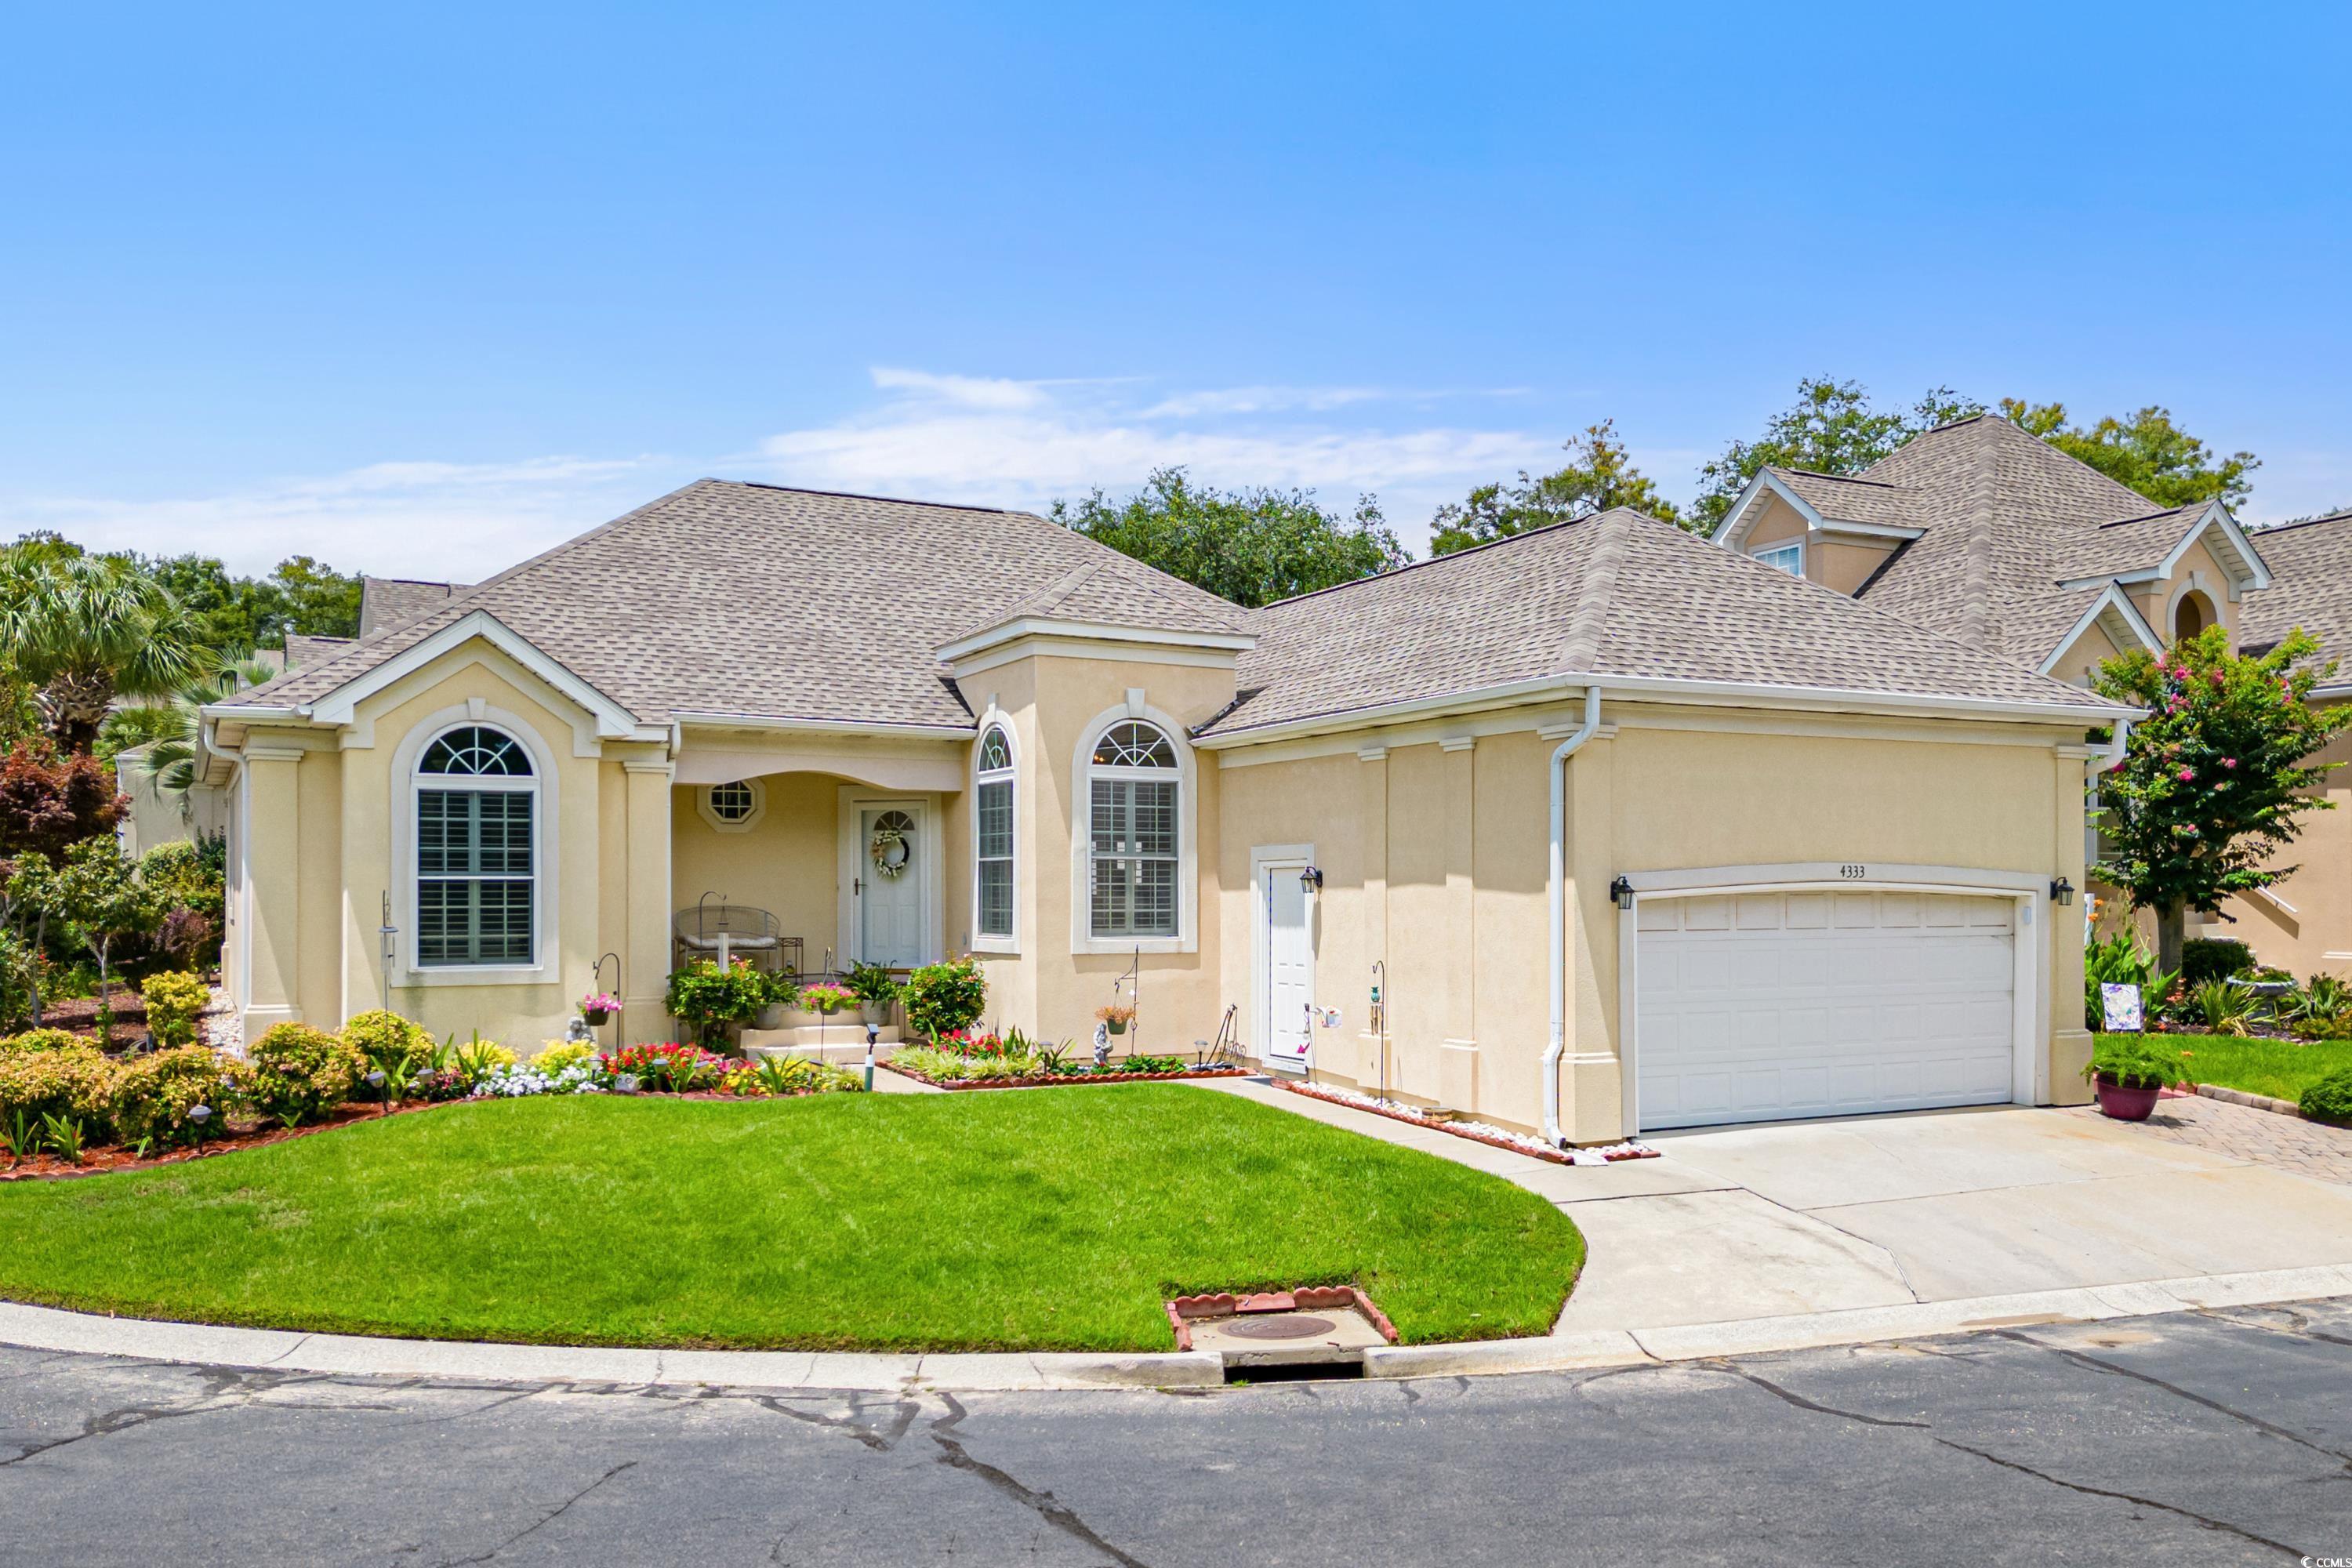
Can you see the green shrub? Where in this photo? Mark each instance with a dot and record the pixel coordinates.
(2338, 1027)
(176, 999)
(2204, 958)
(300, 1073)
(17, 976)
(73, 1082)
(2133, 1061)
(388, 1041)
(153, 1094)
(2119, 961)
(2330, 1099)
(561, 1054)
(942, 998)
(41, 1040)
(2222, 1008)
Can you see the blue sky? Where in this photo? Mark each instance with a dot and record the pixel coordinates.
(422, 290)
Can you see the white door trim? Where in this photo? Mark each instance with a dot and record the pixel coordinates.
(1266, 859)
(930, 848)
(2027, 1081)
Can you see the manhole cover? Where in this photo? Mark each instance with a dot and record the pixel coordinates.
(1284, 1326)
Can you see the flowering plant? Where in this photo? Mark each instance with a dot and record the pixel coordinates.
(598, 1002)
(826, 997)
(515, 1082)
(667, 1068)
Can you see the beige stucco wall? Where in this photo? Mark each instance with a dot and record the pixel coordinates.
(788, 862)
(2197, 570)
(2078, 665)
(1435, 861)
(1050, 699)
(2316, 936)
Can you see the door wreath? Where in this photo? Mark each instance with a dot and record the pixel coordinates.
(891, 849)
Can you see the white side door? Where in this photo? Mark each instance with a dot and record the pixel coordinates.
(889, 908)
(1289, 941)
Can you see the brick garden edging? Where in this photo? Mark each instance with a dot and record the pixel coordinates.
(1055, 1080)
(1492, 1139)
(2256, 1102)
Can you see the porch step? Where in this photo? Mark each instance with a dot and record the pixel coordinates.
(837, 1054)
(842, 1042)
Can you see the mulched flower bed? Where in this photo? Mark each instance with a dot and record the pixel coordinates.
(80, 1016)
(1492, 1138)
(113, 1157)
(1052, 1080)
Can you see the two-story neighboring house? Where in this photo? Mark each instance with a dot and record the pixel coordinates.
(1986, 534)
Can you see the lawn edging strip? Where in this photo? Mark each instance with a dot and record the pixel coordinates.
(1058, 1080)
(2252, 1101)
(352, 1355)
(1476, 1131)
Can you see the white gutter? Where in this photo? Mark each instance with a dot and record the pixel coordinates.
(1558, 886)
(721, 720)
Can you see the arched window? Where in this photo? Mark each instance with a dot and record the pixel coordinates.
(2190, 617)
(477, 849)
(1134, 790)
(992, 835)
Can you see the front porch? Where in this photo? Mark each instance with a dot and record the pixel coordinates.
(841, 854)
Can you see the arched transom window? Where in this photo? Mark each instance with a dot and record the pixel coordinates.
(1134, 787)
(477, 849)
(993, 835)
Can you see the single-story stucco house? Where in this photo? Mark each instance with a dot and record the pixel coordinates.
(1599, 828)
(1985, 532)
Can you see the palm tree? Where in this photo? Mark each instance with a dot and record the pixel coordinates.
(85, 630)
(171, 760)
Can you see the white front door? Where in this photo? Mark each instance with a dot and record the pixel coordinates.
(1757, 1006)
(1289, 964)
(889, 907)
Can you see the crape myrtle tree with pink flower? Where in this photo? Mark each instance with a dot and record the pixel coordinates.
(2217, 776)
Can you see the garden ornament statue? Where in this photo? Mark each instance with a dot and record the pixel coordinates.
(576, 1031)
(1102, 1044)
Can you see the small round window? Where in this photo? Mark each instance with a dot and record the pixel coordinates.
(732, 802)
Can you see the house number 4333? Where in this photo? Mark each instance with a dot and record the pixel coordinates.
(1854, 873)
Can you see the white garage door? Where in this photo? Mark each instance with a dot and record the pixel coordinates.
(1761, 1005)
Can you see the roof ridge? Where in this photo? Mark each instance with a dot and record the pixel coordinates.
(2344, 516)
(1976, 608)
(1394, 572)
(863, 495)
(459, 596)
(1583, 643)
(1842, 478)
(2160, 512)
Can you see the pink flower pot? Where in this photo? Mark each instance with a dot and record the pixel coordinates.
(2125, 1104)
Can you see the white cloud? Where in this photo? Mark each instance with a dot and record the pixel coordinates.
(431, 519)
(1024, 443)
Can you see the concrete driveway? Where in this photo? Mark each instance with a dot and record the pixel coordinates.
(1792, 1217)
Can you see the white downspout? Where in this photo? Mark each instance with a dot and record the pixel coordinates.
(2112, 755)
(1557, 888)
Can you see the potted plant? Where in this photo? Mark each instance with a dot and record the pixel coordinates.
(875, 992)
(781, 991)
(708, 998)
(1115, 1017)
(2127, 1072)
(598, 1007)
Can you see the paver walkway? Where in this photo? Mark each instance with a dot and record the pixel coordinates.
(2241, 1132)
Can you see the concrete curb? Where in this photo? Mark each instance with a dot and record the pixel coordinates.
(352, 1355)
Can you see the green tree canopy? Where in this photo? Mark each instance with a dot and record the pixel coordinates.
(239, 613)
(1600, 475)
(2148, 453)
(2215, 778)
(83, 629)
(1251, 546)
(1831, 428)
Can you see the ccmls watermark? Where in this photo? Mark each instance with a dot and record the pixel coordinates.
(2327, 1562)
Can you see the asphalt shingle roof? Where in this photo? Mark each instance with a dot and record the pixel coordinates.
(2311, 587)
(387, 602)
(762, 601)
(1616, 594)
(1849, 498)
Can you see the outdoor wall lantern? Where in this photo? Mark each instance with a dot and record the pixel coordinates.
(2063, 892)
(1311, 880)
(1620, 893)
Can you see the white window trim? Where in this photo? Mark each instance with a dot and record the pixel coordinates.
(540, 970)
(1008, 942)
(1777, 547)
(1188, 835)
(720, 825)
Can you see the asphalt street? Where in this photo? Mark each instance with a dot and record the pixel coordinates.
(2216, 1438)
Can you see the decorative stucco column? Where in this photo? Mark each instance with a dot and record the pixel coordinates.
(271, 832)
(1373, 1075)
(1593, 1068)
(1458, 1053)
(2070, 1040)
(647, 938)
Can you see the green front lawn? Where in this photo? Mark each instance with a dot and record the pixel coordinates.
(1053, 1219)
(2280, 1069)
